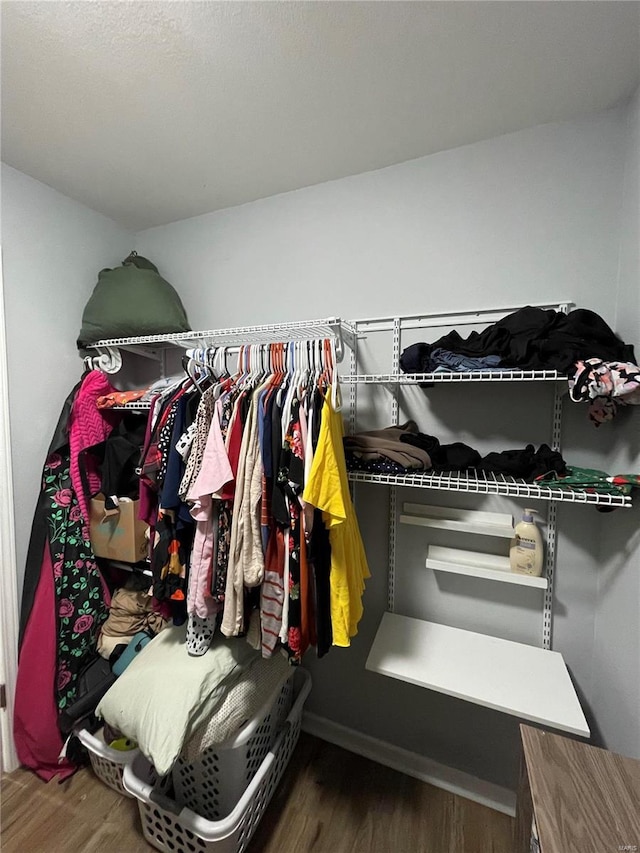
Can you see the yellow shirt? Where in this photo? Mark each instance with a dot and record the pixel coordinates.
(328, 490)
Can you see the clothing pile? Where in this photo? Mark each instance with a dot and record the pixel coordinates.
(140, 395)
(530, 338)
(388, 446)
(403, 449)
(601, 368)
(439, 360)
(130, 612)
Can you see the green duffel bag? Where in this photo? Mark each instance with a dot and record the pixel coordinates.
(131, 300)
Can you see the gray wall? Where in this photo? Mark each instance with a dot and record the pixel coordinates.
(53, 249)
(527, 217)
(616, 671)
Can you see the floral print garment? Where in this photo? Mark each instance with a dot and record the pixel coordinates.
(291, 482)
(81, 608)
(224, 520)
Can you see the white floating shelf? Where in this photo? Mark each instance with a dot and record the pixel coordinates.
(517, 679)
(488, 566)
(459, 520)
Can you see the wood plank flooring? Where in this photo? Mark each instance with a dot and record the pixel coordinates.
(329, 801)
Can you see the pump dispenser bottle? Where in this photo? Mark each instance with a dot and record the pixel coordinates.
(526, 551)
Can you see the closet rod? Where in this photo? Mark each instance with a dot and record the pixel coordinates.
(300, 330)
(331, 327)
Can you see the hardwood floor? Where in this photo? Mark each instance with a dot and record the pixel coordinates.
(330, 801)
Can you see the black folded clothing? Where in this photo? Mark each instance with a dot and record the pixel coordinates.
(445, 457)
(526, 464)
(532, 338)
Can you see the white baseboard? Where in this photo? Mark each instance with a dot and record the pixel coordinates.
(455, 781)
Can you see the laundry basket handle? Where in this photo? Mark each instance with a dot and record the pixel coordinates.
(159, 796)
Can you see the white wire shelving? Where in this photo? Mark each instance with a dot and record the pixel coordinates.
(300, 330)
(506, 375)
(484, 669)
(135, 406)
(483, 483)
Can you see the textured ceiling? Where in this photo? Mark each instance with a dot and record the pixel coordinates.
(155, 111)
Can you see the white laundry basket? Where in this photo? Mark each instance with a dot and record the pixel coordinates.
(175, 829)
(108, 764)
(212, 785)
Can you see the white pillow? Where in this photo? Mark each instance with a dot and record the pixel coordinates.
(164, 694)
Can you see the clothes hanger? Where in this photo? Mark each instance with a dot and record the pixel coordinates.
(268, 364)
(288, 400)
(336, 393)
(246, 366)
(210, 357)
(195, 369)
(286, 373)
(264, 363)
(320, 375)
(222, 366)
(278, 361)
(258, 369)
(226, 379)
(306, 369)
(319, 361)
(256, 365)
(243, 367)
(272, 363)
(214, 371)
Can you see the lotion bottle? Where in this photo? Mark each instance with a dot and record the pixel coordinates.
(526, 551)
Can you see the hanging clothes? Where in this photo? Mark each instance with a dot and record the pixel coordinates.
(269, 559)
(328, 490)
(161, 472)
(246, 558)
(291, 483)
(215, 472)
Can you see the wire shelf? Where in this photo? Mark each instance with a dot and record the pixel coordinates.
(439, 319)
(136, 406)
(483, 483)
(451, 376)
(331, 327)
